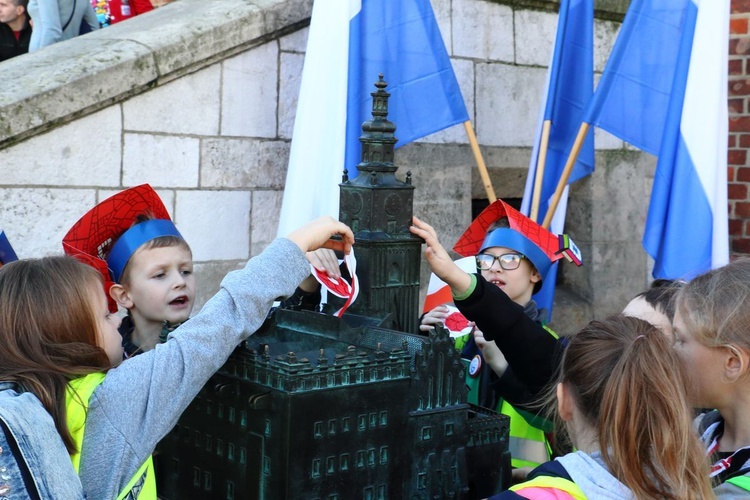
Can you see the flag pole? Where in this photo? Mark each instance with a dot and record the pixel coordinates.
(540, 165)
(572, 157)
(480, 161)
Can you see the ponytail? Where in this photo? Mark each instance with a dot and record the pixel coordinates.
(628, 383)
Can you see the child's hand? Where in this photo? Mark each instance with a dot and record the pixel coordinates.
(491, 353)
(324, 259)
(317, 234)
(439, 260)
(431, 318)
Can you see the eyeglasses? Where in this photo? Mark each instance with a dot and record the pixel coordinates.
(507, 261)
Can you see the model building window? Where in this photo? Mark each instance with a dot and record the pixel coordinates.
(384, 455)
(449, 428)
(316, 468)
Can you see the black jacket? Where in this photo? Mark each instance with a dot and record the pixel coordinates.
(9, 46)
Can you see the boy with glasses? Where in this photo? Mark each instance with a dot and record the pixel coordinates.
(513, 257)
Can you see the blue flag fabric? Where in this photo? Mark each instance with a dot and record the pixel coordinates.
(664, 91)
(7, 254)
(402, 41)
(632, 97)
(350, 43)
(570, 84)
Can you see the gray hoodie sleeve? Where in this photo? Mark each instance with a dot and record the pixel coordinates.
(142, 399)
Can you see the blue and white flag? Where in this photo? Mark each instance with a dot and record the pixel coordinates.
(664, 90)
(350, 43)
(570, 86)
(7, 254)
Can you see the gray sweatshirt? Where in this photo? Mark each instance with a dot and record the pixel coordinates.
(140, 401)
(591, 475)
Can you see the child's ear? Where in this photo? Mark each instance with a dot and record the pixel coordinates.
(120, 295)
(736, 362)
(564, 402)
(535, 276)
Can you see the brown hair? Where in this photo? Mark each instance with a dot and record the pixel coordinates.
(159, 242)
(628, 384)
(48, 329)
(716, 305)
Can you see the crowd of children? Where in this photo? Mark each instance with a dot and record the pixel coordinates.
(84, 399)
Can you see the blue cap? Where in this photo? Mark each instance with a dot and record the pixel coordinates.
(132, 239)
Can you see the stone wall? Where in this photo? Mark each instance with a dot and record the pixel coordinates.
(198, 99)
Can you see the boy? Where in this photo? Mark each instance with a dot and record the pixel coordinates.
(513, 256)
(146, 264)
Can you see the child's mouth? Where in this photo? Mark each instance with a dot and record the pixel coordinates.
(498, 283)
(179, 301)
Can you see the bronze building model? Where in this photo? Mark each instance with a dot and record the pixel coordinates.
(318, 407)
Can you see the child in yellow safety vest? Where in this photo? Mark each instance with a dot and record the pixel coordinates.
(60, 342)
(621, 394)
(512, 255)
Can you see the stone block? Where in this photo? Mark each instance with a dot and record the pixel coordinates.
(535, 37)
(464, 70)
(290, 79)
(42, 89)
(295, 42)
(507, 169)
(36, 219)
(189, 105)
(605, 140)
(82, 153)
(208, 276)
(609, 204)
(510, 100)
(180, 38)
(162, 161)
(605, 34)
(442, 10)
(507, 182)
(264, 219)
(483, 30)
(216, 224)
(244, 163)
(441, 175)
(248, 93)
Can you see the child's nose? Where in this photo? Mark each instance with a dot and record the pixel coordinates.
(179, 281)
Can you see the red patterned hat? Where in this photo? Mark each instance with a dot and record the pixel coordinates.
(539, 245)
(106, 236)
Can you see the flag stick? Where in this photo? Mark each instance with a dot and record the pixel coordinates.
(541, 162)
(572, 157)
(480, 161)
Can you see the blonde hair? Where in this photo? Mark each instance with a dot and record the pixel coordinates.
(48, 329)
(715, 306)
(628, 384)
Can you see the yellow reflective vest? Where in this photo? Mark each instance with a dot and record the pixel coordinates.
(550, 482)
(143, 484)
(527, 442)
